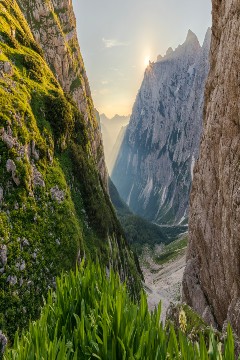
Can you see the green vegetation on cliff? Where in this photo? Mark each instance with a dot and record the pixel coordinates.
(138, 231)
(91, 316)
(53, 207)
(172, 251)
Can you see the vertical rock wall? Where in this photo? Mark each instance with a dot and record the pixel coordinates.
(211, 282)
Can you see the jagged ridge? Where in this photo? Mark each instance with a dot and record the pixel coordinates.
(153, 171)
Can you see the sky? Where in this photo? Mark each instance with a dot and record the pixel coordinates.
(118, 38)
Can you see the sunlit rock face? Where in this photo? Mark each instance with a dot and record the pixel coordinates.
(211, 282)
(53, 25)
(153, 171)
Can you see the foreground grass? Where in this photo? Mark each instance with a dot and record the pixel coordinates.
(91, 316)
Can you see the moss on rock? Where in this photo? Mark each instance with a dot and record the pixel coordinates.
(53, 207)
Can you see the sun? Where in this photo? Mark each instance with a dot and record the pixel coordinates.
(146, 60)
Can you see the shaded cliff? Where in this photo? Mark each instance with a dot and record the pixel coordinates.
(54, 208)
(153, 171)
(211, 281)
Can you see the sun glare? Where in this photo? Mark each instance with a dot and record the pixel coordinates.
(146, 60)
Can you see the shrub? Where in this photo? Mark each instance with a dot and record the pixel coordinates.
(60, 116)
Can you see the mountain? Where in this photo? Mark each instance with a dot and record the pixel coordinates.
(54, 203)
(111, 129)
(116, 148)
(211, 280)
(139, 232)
(153, 171)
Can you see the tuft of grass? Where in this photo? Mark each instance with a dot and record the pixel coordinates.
(92, 316)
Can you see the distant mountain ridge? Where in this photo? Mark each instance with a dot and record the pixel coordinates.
(112, 133)
(153, 171)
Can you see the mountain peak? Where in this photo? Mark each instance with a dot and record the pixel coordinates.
(159, 134)
(207, 38)
(169, 51)
(104, 117)
(191, 36)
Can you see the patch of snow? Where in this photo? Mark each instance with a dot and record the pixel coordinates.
(163, 195)
(163, 198)
(129, 196)
(192, 165)
(183, 218)
(129, 160)
(147, 191)
(148, 188)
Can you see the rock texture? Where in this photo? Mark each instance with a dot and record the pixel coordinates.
(153, 171)
(164, 283)
(211, 281)
(53, 25)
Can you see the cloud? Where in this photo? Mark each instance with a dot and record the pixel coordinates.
(109, 43)
(104, 91)
(117, 71)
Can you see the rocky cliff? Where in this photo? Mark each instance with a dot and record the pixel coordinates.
(54, 208)
(211, 282)
(53, 25)
(153, 171)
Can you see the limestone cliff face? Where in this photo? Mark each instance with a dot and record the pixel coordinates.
(153, 171)
(211, 282)
(53, 25)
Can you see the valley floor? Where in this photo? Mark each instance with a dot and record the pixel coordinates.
(163, 282)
